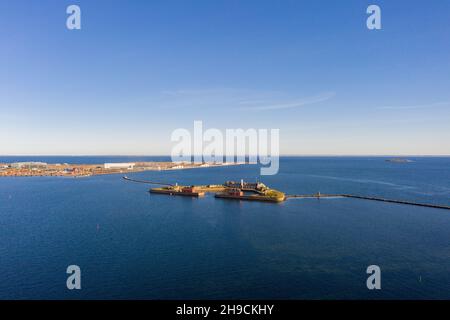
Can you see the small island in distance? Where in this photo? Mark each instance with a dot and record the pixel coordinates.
(399, 160)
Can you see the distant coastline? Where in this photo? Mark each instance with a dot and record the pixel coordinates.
(42, 169)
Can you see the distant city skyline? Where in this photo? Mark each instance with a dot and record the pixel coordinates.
(138, 70)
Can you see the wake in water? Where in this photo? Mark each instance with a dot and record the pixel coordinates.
(385, 183)
(312, 197)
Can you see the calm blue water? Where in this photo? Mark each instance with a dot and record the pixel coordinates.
(130, 244)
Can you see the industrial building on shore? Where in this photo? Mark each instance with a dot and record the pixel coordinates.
(28, 165)
(128, 166)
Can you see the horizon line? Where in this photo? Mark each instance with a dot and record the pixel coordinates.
(280, 155)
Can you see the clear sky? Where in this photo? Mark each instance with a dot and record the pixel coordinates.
(137, 70)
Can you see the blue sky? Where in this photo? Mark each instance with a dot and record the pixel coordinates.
(137, 70)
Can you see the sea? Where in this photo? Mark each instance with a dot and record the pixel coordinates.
(130, 244)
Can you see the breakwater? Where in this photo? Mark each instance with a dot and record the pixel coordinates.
(405, 202)
(147, 182)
